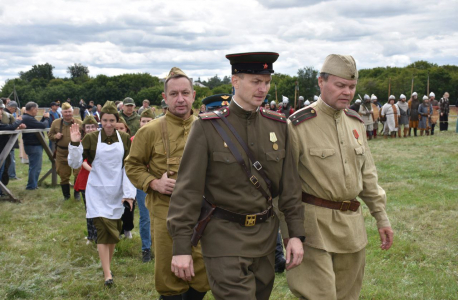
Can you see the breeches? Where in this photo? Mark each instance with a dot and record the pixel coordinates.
(64, 171)
(326, 275)
(241, 278)
(167, 284)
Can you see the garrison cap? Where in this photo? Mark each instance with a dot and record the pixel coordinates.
(121, 120)
(175, 72)
(147, 113)
(343, 66)
(109, 108)
(252, 62)
(128, 101)
(66, 105)
(163, 104)
(89, 120)
(218, 100)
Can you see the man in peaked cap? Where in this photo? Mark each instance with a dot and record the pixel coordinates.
(217, 101)
(152, 166)
(130, 116)
(59, 133)
(335, 166)
(239, 241)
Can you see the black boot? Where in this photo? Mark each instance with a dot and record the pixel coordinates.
(415, 131)
(66, 191)
(176, 297)
(192, 294)
(76, 195)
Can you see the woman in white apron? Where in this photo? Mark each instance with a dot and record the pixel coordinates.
(107, 186)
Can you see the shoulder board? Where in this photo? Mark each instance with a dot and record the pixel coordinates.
(302, 115)
(215, 114)
(273, 115)
(353, 114)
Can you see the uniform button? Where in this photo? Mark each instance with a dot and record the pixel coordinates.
(252, 144)
(277, 158)
(345, 161)
(341, 142)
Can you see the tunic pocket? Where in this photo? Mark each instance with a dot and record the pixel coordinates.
(225, 157)
(275, 155)
(322, 153)
(360, 150)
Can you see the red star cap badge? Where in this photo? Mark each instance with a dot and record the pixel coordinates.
(265, 66)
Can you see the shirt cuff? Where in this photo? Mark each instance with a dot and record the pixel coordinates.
(182, 245)
(75, 144)
(296, 228)
(145, 187)
(382, 219)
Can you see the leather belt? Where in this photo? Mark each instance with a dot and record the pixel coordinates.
(66, 148)
(352, 205)
(242, 219)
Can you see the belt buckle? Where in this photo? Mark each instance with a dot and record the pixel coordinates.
(342, 206)
(257, 165)
(250, 220)
(254, 181)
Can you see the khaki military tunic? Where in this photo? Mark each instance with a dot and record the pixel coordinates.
(334, 163)
(148, 161)
(209, 168)
(62, 167)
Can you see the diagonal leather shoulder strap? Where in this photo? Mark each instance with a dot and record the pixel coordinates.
(256, 164)
(240, 160)
(165, 141)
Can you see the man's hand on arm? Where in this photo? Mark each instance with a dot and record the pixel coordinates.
(386, 237)
(183, 267)
(164, 185)
(294, 253)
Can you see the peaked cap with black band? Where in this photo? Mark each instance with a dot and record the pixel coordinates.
(253, 62)
(343, 66)
(217, 100)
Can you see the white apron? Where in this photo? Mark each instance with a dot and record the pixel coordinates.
(104, 190)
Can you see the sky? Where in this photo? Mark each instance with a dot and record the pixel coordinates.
(114, 37)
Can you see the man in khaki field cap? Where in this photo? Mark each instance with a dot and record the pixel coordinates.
(59, 133)
(152, 166)
(335, 166)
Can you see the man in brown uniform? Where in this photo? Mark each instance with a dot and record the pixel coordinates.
(152, 166)
(335, 166)
(239, 242)
(60, 134)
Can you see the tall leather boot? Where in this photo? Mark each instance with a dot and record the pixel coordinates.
(76, 195)
(192, 294)
(66, 191)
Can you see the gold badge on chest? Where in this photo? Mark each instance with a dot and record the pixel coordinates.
(273, 139)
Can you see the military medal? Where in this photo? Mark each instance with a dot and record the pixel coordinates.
(225, 145)
(273, 139)
(356, 134)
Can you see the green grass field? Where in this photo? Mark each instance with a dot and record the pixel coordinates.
(43, 253)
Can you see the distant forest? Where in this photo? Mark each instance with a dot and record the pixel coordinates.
(40, 85)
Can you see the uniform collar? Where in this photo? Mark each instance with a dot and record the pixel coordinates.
(108, 139)
(235, 108)
(177, 120)
(325, 108)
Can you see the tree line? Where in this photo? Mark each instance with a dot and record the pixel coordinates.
(40, 85)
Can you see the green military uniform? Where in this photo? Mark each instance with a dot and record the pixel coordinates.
(334, 163)
(133, 122)
(62, 168)
(209, 169)
(148, 161)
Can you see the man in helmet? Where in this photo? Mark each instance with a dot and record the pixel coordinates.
(366, 113)
(404, 112)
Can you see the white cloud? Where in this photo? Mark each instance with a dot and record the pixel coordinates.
(115, 37)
